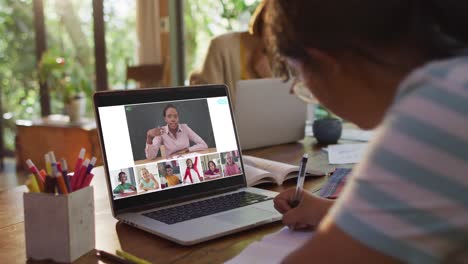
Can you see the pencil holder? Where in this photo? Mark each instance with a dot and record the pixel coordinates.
(59, 227)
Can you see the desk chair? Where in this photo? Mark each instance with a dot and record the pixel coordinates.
(147, 75)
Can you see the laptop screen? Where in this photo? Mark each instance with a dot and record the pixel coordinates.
(169, 145)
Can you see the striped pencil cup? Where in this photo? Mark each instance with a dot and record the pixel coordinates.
(59, 227)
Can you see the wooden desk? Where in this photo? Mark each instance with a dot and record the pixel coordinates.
(36, 138)
(111, 235)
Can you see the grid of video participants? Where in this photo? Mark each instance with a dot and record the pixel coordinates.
(167, 174)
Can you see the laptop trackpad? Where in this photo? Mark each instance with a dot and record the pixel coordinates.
(246, 215)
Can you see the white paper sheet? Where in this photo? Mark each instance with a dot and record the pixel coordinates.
(357, 134)
(272, 248)
(346, 153)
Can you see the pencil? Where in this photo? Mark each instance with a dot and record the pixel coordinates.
(48, 166)
(35, 171)
(87, 181)
(76, 172)
(31, 183)
(130, 257)
(65, 174)
(61, 183)
(110, 257)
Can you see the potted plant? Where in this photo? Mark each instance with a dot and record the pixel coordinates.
(327, 127)
(67, 81)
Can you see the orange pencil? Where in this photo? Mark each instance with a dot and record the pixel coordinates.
(61, 183)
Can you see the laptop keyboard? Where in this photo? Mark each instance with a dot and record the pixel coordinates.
(211, 206)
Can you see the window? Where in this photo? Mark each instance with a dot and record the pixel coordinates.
(205, 19)
(18, 85)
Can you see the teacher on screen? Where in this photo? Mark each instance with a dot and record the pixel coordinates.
(175, 137)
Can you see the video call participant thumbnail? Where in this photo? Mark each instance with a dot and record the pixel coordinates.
(231, 167)
(192, 175)
(171, 179)
(213, 172)
(124, 186)
(147, 180)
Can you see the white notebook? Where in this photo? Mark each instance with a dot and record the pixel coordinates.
(272, 248)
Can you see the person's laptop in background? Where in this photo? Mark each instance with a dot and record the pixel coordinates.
(187, 198)
(267, 114)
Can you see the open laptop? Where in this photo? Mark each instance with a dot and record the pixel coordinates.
(267, 114)
(186, 210)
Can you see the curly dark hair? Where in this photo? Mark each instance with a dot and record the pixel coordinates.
(437, 28)
(120, 175)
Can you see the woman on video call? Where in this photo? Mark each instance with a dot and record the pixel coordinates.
(401, 66)
(175, 137)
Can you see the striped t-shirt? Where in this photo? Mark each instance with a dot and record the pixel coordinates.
(409, 197)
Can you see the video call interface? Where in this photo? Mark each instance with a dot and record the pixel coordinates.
(154, 147)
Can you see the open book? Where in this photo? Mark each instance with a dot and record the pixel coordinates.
(258, 170)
